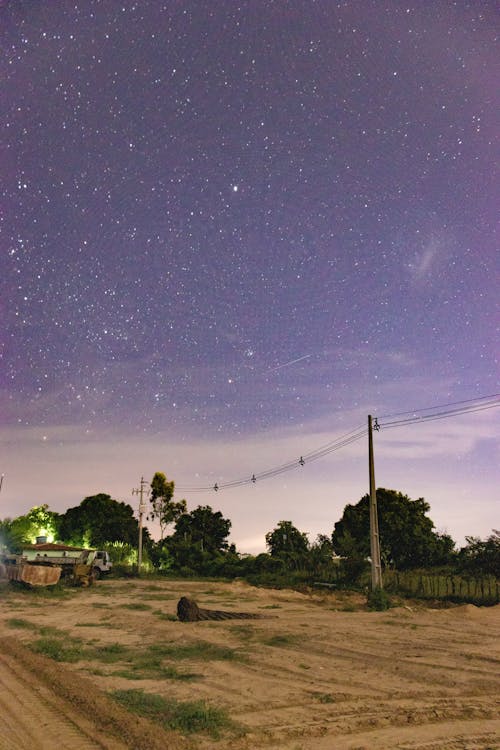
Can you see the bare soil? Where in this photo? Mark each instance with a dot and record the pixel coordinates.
(319, 671)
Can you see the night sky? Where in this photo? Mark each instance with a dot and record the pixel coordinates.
(232, 230)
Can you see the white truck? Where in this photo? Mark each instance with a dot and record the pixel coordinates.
(101, 564)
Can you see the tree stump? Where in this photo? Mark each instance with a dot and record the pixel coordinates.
(188, 611)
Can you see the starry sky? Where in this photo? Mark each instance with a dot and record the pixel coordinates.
(229, 232)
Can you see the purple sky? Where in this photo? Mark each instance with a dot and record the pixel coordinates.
(229, 232)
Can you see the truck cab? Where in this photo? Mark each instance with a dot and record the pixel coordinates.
(101, 564)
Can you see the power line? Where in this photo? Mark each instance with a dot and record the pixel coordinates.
(441, 406)
(341, 442)
(467, 408)
(482, 403)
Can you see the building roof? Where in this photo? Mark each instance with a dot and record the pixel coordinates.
(51, 547)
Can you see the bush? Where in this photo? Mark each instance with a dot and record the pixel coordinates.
(378, 600)
(352, 571)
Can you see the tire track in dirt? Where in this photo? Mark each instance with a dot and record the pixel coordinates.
(33, 718)
(402, 682)
(44, 705)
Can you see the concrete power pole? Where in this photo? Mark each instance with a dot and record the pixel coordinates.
(374, 535)
(142, 509)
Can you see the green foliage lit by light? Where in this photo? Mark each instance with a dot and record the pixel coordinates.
(44, 523)
(38, 522)
(99, 521)
(122, 553)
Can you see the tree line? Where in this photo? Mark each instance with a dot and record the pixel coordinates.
(196, 542)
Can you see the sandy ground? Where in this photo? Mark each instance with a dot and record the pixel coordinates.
(317, 671)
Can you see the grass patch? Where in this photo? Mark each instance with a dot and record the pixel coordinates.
(160, 597)
(282, 640)
(325, 698)
(137, 665)
(58, 591)
(271, 606)
(199, 650)
(245, 632)
(110, 653)
(113, 588)
(162, 616)
(139, 606)
(100, 605)
(18, 622)
(146, 668)
(97, 672)
(67, 650)
(184, 716)
(50, 631)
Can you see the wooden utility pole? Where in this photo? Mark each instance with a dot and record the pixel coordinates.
(142, 508)
(374, 535)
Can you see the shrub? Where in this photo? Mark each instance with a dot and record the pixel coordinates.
(378, 600)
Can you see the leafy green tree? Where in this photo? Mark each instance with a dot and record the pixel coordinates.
(289, 544)
(39, 521)
(99, 520)
(161, 556)
(199, 538)
(321, 555)
(407, 535)
(204, 528)
(481, 556)
(11, 539)
(163, 506)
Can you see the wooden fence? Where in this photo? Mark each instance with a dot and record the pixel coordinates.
(422, 585)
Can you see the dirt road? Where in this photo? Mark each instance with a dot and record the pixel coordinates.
(318, 671)
(33, 716)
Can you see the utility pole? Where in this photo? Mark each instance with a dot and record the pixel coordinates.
(374, 535)
(142, 507)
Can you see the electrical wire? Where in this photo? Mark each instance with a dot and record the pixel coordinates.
(330, 447)
(470, 406)
(441, 406)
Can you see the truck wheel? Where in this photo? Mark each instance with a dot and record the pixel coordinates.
(97, 573)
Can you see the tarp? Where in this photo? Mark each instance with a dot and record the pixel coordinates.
(34, 575)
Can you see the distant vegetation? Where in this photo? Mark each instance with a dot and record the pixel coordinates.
(417, 560)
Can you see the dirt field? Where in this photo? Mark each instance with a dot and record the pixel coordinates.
(318, 671)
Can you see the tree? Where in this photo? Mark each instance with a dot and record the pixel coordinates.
(204, 528)
(481, 557)
(199, 538)
(163, 507)
(321, 554)
(99, 520)
(11, 539)
(289, 544)
(407, 535)
(39, 521)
